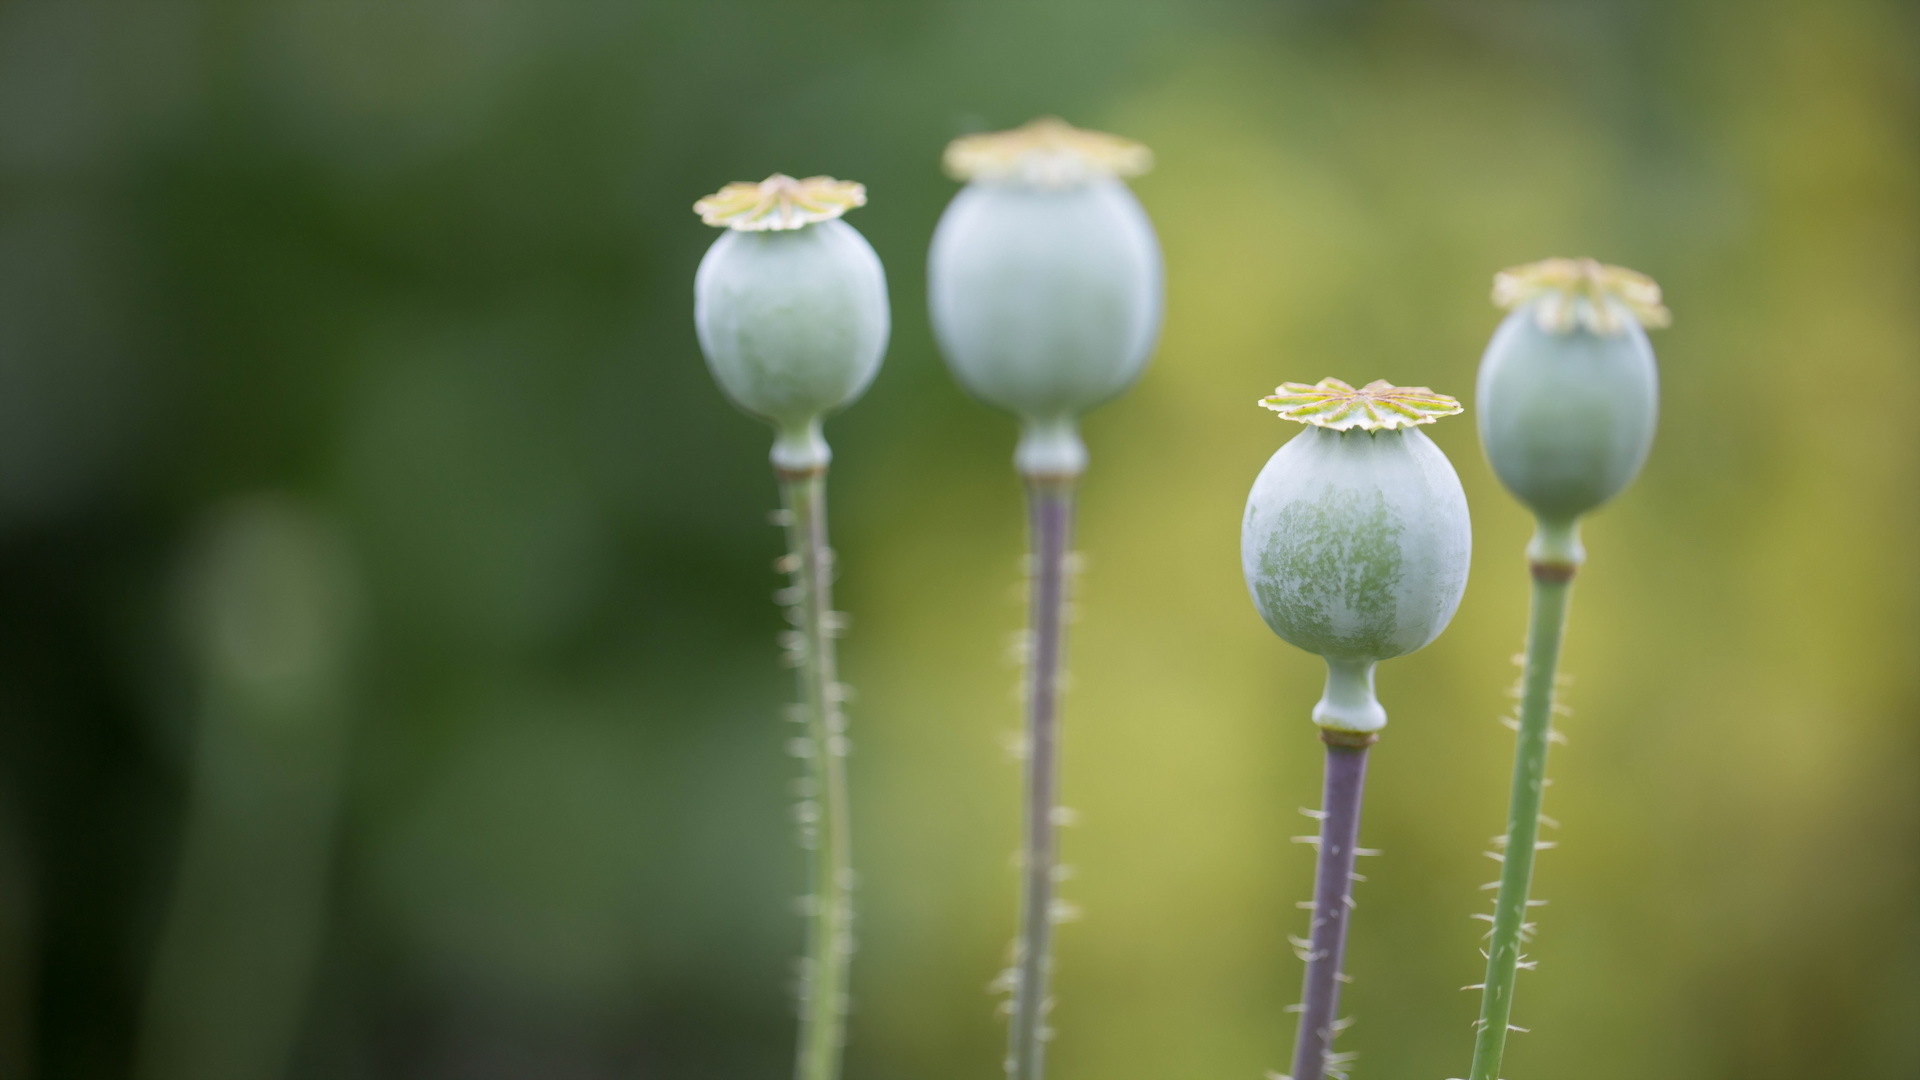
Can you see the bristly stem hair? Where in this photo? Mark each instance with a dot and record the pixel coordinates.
(1552, 582)
(1050, 519)
(1346, 778)
(822, 811)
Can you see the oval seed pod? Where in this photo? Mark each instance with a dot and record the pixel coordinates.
(1356, 537)
(1568, 391)
(790, 306)
(1044, 280)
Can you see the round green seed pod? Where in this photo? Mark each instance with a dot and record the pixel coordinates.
(1568, 392)
(790, 306)
(1044, 280)
(1356, 538)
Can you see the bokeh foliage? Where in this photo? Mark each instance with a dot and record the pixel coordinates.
(426, 265)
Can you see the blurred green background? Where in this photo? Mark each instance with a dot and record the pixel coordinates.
(490, 780)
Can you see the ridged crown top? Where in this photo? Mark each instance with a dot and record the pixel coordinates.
(1582, 293)
(1377, 406)
(780, 202)
(1048, 152)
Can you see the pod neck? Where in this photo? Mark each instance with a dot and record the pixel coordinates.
(1050, 448)
(799, 448)
(1555, 552)
(1349, 705)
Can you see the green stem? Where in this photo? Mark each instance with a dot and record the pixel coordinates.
(244, 924)
(1555, 555)
(273, 603)
(823, 813)
(1050, 513)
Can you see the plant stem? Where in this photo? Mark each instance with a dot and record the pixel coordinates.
(273, 601)
(1552, 582)
(245, 922)
(1346, 779)
(823, 813)
(1050, 518)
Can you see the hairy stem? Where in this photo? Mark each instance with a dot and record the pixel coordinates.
(1050, 517)
(1552, 583)
(1332, 902)
(823, 810)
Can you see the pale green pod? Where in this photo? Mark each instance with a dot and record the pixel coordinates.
(1568, 392)
(1356, 538)
(1045, 301)
(1044, 280)
(790, 306)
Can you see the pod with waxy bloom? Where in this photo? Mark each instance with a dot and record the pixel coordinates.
(1568, 396)
(1568, 392)
(1044, 279)
(790, 305)
(1355, 545)
(1356, 540)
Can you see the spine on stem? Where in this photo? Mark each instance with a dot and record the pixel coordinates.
(822, 811)
(1050, 514)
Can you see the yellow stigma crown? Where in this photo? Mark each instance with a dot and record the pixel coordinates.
(1582, 293)
(1377, 406)
(780, 202)
(1048, 152)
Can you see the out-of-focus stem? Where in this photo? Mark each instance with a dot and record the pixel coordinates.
(274, 601)
(824, 826)
(1552, 582)
(1050, 517)
(243, 925)
(1346, 778)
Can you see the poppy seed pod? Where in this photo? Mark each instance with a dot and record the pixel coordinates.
(790, 306)
(1356, 537)
(1568, 391)
(1044, 280)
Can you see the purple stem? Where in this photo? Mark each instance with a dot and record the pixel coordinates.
(1332, 902)
(1050, 515)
